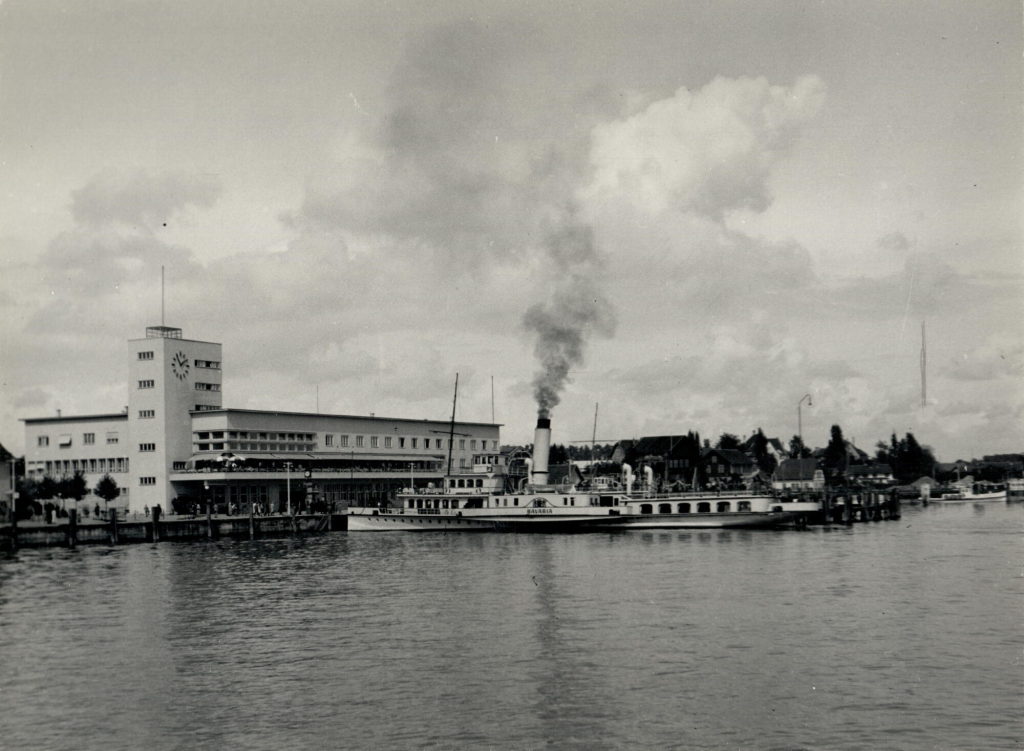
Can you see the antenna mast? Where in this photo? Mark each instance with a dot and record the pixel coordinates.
(593, 438)
(161, 295)
(924, 368)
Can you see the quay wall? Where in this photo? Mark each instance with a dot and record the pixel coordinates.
(70, 533)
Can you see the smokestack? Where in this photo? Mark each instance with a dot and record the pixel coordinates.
(541, 447)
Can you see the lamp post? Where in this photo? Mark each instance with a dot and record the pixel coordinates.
(799, 418)
(288, 481)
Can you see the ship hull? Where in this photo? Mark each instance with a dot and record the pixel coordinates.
(732, 520)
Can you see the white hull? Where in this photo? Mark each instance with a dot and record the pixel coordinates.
(731, 520)
(480, 520)
(999, 495)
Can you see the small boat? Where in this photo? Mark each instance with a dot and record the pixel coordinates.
(971, 496)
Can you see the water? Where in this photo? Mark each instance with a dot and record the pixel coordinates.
(897, 635)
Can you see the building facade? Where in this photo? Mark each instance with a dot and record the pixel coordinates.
(176, 446)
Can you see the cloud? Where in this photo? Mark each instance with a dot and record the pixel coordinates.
(707, 152)
(894, 241)
(142, 199)
(1000, 356)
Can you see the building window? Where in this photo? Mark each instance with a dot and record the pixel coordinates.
(179, 465)
(437, 443)
(211, 364)
(387, 441)
(401, 443)
(359, 441)
(147, 413)
(88, 438)
(374, 441)
(145, 355)
(147, 384)
(462, 444)
(344, 440)
(43, 440)
(147, 481)
(494, 445)
(328, 440)
(112, 438)
(147, 447)
(64, 441)
(472, 444)
(207, 386)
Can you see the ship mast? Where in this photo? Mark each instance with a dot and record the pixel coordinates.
(451, 426)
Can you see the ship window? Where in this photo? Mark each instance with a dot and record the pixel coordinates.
(412, 503)
(723, 506)
(683, 508)
(480, 483)
(645, 508)
(703, 507)
(744, 506)
(664, 508)
(515, 501)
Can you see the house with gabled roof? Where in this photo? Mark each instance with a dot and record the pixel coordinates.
(799, 474)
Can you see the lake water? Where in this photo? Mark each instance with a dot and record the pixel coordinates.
(899, 635)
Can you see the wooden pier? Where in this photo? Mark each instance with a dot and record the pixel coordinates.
(71, 532)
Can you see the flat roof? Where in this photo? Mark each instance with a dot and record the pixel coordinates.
(280, 413)
(77, 418)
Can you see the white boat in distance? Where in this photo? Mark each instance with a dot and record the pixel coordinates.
(485, 499)
(970, 496)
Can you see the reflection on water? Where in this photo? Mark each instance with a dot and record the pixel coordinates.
(899, 634)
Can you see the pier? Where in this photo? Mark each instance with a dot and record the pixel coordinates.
(71, 532)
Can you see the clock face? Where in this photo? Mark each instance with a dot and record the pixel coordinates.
(179, 365)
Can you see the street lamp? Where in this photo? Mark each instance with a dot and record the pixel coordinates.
(288, 480)
(799, 419)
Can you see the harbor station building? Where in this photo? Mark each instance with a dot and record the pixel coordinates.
(176, 444)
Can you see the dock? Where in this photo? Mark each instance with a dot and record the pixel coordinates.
(71, 532)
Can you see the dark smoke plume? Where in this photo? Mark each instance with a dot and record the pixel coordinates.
(566, 321)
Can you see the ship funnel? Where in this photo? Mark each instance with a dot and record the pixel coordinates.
(541, 448)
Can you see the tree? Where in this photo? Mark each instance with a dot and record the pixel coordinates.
(728, 441)
(835, 457)
(558, 454)
(107, 489)
(797, 449)
(74, 487)
(765, 461)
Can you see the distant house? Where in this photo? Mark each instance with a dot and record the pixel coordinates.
(870, 474)
(727, 464)
(799, 474)
(774, 448)
(655, 450)
(6, 459)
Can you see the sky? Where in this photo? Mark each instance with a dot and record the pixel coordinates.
(676, 215)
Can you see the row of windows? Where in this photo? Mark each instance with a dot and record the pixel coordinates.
(207, 386)
(147, 447)
(147, 383)
(89, 439)
(211, 364)
(69, 466)
(145, 414)
(704, 507)
(203, 435)
(147, 481)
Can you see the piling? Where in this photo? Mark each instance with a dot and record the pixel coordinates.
(252, 524)
(209, 520)
(72, 528)
(13, 541)
(113, 526)
(156, 523)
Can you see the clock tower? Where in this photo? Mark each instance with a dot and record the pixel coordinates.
(169, 376)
